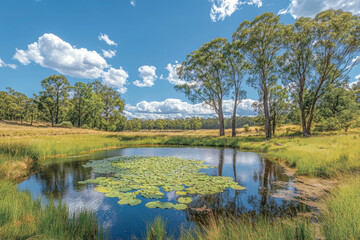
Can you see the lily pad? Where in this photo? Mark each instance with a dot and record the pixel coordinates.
(152, 176)
(180, 206)
(181, 193)
(184, 200)
(158, 204)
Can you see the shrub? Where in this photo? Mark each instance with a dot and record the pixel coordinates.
(85, 126)
(246, 127)
(330, 124)
(65, 124)
(112, 128)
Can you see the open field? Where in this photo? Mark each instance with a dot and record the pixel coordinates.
(330, 155)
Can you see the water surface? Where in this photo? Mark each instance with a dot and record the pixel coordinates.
(60, 181)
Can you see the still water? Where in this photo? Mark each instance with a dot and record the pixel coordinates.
(260, 177)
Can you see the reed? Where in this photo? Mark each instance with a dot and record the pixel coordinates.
(23, 218)
(341, 217)
(226, 228)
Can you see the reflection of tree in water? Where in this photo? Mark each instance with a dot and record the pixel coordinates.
(235, 203)
(56, 179)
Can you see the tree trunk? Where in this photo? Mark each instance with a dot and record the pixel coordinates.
(302, 108)
(274, 124)
(267, 115)
(221, 121)
(234, 118)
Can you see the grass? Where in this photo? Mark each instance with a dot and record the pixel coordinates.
(341, 217)
(325, 155)
(228, 229)
(23, 218)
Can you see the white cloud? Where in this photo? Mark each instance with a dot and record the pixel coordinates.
(115, 78)
(176, 108)
(10, 65)
(133, 3)
(52, 52)
(106, 38)
(148, 76)
(108, 53)
(173, 78)
(309, 8)
(221, 9)
(352, 84)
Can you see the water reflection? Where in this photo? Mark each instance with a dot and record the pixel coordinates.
(59, 180)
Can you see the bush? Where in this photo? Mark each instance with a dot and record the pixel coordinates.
(330, 124)
(65, 124)
(246, 127)
(112, 128)
(85, 126)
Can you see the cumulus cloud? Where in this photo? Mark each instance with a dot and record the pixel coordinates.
(10, 65)
(133, 3)
(52, 52)
(176, 108)
(115, 78)
(106, 38)
(148, 76)
(309, 8)
(173, 78)
(355, 82)
(108, 53)
(220, 9)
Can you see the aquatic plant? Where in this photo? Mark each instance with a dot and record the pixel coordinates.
(150, 176)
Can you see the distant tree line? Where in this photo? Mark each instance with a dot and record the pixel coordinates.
(300, 70)
(91, 105)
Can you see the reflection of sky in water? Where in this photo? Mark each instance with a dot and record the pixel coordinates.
(249, 169)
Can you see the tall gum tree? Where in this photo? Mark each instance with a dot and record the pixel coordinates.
(237, 67)
(320, 53)
(337, 47)
(261, 40)
(53, 99)
(205, 74)
(297, 62)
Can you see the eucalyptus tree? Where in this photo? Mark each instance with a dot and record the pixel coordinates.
(320, 52)
(337, 47)
(81, 101)
(205, 75)
(297, 62)
(261, 40)
(53, 99)
(113, 105)
(237, 67)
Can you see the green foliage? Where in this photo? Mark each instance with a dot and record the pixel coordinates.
(261, 41)
(147, 175)
(246, 127)
(54, 98)
(65, 124)
(210, 86)
(337, 109)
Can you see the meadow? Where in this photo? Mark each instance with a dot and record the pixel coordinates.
(333, 155)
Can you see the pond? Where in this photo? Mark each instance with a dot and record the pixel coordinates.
(60, 180)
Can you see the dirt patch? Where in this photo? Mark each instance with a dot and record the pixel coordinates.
(309, 191)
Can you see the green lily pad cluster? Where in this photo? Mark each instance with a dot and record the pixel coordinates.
(150, 177)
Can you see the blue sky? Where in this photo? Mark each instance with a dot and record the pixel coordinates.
(130, 45)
